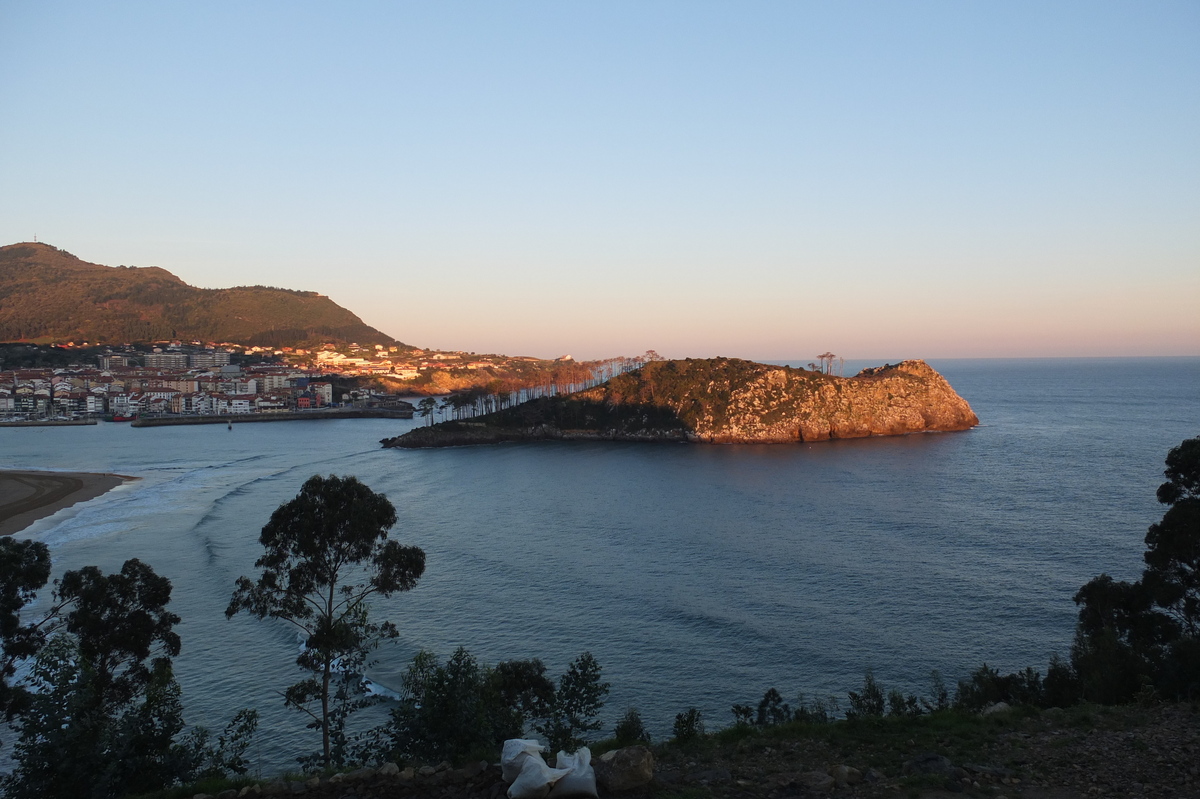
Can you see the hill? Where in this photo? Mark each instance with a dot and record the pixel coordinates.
(47, 294)
(724, 400)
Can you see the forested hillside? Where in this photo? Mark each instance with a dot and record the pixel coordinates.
(49, 294)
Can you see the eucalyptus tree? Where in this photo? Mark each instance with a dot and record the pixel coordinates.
(24, 569)
(326, 553)
(104, 697)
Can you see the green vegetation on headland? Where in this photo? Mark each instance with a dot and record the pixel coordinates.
(47, 294)
(722, 400)
(101, 695)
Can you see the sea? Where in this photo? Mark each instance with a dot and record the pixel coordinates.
(697, 575)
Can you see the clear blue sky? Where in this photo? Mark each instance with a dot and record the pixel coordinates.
(766, 180)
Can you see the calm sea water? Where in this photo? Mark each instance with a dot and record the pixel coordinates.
(697, 575)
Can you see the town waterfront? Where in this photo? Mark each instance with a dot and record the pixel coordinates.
(697, 575)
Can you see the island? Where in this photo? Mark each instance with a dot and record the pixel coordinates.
(722, 401)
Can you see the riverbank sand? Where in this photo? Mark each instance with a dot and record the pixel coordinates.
(27, 496)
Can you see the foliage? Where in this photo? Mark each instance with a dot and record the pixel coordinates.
(24, 569)
(688, 726)
(630, 730)
(209, 761)
(103, 697)
(869, 703)
(326, 554)
(572, 713)
(986, 687)
(939, 697)
(1147, 633)
(448, 711)
(120, 621)
(451, 710)
(426, 408)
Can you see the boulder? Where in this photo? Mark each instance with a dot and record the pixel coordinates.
(389, 770)
(358, 775)
(818, 781)
(623, 769)
(845, 775)
(928, 763)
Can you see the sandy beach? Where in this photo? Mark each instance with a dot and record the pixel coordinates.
(26, 496)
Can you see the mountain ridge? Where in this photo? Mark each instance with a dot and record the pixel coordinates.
(49, 294)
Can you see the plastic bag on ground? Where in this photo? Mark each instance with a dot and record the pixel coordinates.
(580, 779)
(514, 753)
(535, 779)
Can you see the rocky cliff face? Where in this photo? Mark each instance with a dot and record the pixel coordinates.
(725, 400)
(728, 400)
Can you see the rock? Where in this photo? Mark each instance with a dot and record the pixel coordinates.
(426, 771)
(388, 770)
(408, 774)
(297, 787)
(999, 707)
(337, 778)
(623, 769)
(712, 776)
(988, 771)
(250, 790)
(358, 775)
(314, 782)
(874, 775)
(818, 781)
(230, 793)
(201, 796)
(276, 788)
(927, 763)
(845, 775)
(469, 771)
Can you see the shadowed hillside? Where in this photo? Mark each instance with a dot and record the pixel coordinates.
(49, 294)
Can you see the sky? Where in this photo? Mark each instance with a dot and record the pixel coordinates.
(768, 180)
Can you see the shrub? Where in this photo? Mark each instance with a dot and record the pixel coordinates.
(450, 710)
(689, 725)
(869, 703)
(577, 701)
(630, 730)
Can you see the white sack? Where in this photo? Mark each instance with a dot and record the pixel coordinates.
(535, 779)
(513, 755)
(580, 779)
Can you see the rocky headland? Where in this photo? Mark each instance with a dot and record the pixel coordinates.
(722, 400)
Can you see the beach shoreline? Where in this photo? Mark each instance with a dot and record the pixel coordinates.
(28, 495)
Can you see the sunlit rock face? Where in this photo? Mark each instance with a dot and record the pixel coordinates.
(725, 400)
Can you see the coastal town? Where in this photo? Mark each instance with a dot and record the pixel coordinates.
(78, 382)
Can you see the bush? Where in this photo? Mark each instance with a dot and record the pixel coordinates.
(577, 702)
(869, 703)
(630, 730)
(451, 711)
(987, 687)
(689, 725)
